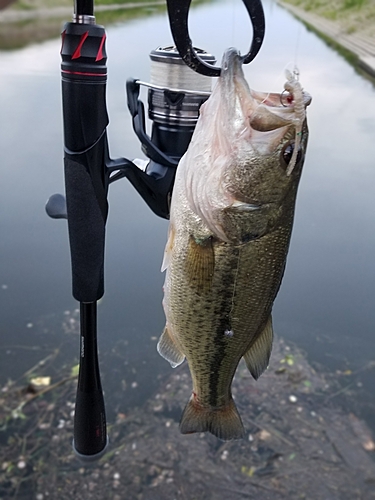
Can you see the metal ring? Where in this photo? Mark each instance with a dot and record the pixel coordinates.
(281, 97)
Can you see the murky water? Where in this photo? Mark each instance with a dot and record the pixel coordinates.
(326, 301)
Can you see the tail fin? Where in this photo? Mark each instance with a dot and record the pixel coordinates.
(224, 422)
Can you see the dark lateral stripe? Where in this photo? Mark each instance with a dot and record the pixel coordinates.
(223, 310)
(215, 370)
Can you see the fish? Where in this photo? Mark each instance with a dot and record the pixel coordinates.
(231, 218)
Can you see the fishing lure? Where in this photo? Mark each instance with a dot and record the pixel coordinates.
(293, 86)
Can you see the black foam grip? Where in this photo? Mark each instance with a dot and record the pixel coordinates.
(86, 233)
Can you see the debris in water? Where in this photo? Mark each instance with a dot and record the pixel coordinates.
(287, 448)
(39, 383)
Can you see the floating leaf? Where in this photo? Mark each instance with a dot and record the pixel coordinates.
(249, 471)
(289, 360)
(40, 382)
(17, 413)
(74, 371)
(264, 435)
(307, 383)
(281, 370)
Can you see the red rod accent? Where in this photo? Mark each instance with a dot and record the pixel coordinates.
(62, 40)
(99, 55)
(82, 73)
(77, 52)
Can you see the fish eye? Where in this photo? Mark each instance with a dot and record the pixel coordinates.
(287, 153)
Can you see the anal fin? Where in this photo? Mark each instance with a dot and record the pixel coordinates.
(258, 355)
(168, 349)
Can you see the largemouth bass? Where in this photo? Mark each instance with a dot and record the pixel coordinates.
(231, 219)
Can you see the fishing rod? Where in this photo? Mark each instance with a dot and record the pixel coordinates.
(175, 94)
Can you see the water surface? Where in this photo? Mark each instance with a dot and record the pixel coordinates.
(326, 300)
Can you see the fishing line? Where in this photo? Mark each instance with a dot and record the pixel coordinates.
(240, 24)
(178, 76)
(294, 64)
(297, 47)
(291, 64)
(233, 20)
(234, 286)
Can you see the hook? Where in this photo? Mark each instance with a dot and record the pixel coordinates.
(178, 11)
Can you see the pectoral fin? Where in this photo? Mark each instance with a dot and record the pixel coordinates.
(258, 355)
(200, 263)
(168, 349)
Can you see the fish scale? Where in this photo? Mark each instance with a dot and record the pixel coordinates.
(231, 219)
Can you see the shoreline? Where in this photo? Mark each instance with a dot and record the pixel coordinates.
(13, 16)
(362, 46)
(20, 28)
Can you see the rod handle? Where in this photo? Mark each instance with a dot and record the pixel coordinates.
(90, 428)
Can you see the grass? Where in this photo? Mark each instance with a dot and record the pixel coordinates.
(328, 4)
(41, 4)
(108, 17)
(14, 35)
(353, 15)
(346, 54)
(357, 4)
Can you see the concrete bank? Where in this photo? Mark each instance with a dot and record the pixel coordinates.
(361, 45)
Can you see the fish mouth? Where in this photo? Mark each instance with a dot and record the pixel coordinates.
(271, 116)
(281, 101)
(239, 144)
(254, 113)
(231, 63)
(270, 111)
